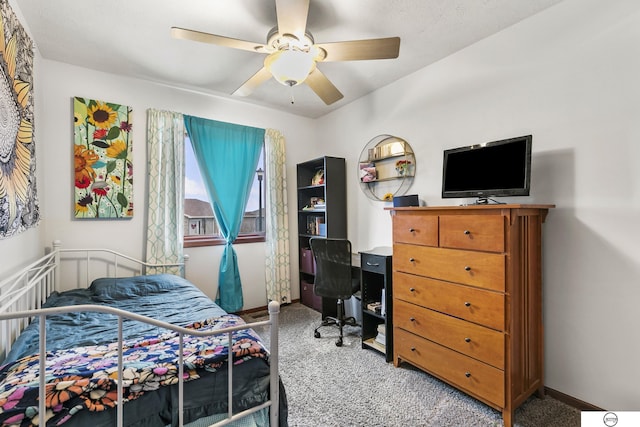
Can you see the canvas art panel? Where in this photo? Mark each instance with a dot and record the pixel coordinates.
(102, 150)
(19, 209)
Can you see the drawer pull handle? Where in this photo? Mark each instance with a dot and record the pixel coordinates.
(375, 264)
(467, 304)
(413, 349)
(467, 339)
(412, 260)
(412, 289)
(467, 268)
(412, 230)
(467, 232)
(467, 374)
(412, 319)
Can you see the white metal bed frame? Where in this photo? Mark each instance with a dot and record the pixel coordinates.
(23, 294)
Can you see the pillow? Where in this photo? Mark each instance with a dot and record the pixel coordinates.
(129, 287)
(70, 297)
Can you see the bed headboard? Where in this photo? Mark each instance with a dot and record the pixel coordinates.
(79, 267)
(63, 269)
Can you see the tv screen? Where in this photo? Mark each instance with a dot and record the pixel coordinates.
(495, 169)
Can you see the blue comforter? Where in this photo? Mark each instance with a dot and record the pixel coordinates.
(163, 297)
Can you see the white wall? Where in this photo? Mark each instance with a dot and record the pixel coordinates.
(569, 76)
(60, 82)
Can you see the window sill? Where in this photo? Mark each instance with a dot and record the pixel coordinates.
(197, 241)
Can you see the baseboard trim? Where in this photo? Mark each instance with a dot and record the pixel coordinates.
(263, 308)
(252, 310)
(571, 401)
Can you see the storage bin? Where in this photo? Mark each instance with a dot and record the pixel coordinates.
(307, 263)
(306, 293)
(353, 307)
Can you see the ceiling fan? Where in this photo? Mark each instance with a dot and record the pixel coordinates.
(292, 54)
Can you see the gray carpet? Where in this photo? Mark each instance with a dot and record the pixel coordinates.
(348, 386)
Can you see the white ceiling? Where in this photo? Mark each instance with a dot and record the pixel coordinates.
(132, 38)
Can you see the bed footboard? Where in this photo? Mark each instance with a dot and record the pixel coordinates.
(23, 294)
(272, 403)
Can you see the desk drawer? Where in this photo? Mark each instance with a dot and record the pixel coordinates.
(475, 305)
(466, 373)
(409, 227)
(373, 263)
(475, 232)
(468, 338)
(485, 270)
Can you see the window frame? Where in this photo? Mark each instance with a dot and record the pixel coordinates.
(210, 240)
(194, 241)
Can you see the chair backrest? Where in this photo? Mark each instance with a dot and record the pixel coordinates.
(333, 267)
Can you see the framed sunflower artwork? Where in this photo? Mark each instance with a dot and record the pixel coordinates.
(19, 208)
(102, 151)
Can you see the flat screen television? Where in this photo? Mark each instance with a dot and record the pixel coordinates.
(495, 169)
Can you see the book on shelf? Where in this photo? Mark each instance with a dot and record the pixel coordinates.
(316, 226)
(381, 338)
(382, 329)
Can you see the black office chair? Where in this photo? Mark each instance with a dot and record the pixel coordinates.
(334, 279)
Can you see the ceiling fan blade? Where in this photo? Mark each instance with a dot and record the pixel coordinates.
(355, 50)
(182, 33)
(292, 16)
(323, 87)
(254, 81)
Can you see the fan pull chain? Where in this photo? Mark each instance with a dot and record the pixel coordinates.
(293, 101)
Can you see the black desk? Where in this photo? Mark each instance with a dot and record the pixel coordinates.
(376, 286)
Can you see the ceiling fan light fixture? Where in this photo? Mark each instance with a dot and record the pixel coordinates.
(290, 66)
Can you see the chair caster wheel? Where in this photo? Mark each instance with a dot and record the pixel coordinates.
(316, 334)
(339, 343)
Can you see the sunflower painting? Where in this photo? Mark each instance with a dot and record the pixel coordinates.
(18, 202)
(102, 152)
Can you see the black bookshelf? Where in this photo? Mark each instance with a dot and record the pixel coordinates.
(322, 211)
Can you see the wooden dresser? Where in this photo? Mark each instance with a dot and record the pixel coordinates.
(467, 298)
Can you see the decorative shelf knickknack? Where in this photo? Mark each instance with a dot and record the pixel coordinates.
(386, 168)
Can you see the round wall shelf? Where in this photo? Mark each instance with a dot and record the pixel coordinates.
(386, 168)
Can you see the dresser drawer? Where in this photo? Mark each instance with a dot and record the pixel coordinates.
(476, 232)
(476, 305)
(408, 227)
(485, 270)
(468, 338)
(466, 373)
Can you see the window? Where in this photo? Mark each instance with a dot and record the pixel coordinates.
(200, 226)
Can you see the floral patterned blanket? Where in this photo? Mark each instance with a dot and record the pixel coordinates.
(86, 378)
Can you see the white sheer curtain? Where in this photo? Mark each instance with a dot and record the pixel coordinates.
(278, 277)
(165, 154)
